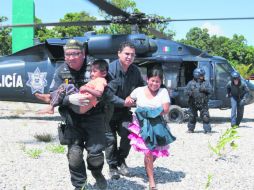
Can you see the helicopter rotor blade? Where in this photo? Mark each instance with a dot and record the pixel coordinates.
(73, 23)
(109, 8)
(205, 19)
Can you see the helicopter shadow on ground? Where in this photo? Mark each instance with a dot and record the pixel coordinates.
(162, 175)
(47, 118)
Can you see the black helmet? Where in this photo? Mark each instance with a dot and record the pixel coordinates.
(196, 73)
(235, 75)
(202, 72)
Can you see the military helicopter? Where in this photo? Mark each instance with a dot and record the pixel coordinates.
(31, 70)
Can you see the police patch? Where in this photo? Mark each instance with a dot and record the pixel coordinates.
(37, 81)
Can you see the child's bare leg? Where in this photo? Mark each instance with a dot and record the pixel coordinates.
(149, 169)
(44, 97)
(47, 110)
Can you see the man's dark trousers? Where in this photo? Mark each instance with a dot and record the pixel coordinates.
(88, 134)
(118, 125)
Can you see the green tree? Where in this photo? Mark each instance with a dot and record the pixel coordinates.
(5, 38)
(44, 33)
(235, 50)
(130, 7)
(198, 38)
(249, 57)
(125, 5)
(220, 46)
(63, 31)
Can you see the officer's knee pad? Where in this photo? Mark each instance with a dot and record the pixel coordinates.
(75, 156)
(95, 160)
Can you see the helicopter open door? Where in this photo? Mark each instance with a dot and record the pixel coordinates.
(222, 72)
(177, 76)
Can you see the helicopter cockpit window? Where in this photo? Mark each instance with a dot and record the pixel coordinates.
(223, 71)
(227, 67)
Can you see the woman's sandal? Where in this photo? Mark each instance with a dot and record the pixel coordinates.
(153, 188)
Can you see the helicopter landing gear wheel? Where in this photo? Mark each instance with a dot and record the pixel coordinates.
(176, 114)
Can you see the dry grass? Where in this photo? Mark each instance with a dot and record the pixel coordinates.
(45, 137)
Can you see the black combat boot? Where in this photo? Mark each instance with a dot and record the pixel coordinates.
(113, 173)
(101, 182)
(207, 128)
(190, 131)
(123, 168)
(191, 127)
(84, 187)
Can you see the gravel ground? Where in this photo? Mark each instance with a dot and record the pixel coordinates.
(188, 167)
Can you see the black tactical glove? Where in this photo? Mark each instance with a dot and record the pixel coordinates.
(242, 102)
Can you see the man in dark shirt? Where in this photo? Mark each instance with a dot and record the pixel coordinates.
(128, 77)
(237, 91)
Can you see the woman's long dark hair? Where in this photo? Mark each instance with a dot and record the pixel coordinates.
(156, 71)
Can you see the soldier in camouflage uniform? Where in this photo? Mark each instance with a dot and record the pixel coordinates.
(198, 90)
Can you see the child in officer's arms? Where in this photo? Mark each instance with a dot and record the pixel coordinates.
(92, 90)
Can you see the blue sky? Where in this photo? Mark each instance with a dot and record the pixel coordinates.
(52, 10)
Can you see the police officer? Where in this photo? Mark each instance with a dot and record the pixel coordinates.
(198, 91)
(238, 91)
(81, 131)
(128, 77)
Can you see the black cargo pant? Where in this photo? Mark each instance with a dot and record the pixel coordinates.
(118, 125)
(204, 114)
(88, 133)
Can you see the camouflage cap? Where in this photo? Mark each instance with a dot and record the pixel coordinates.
(74, 44)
